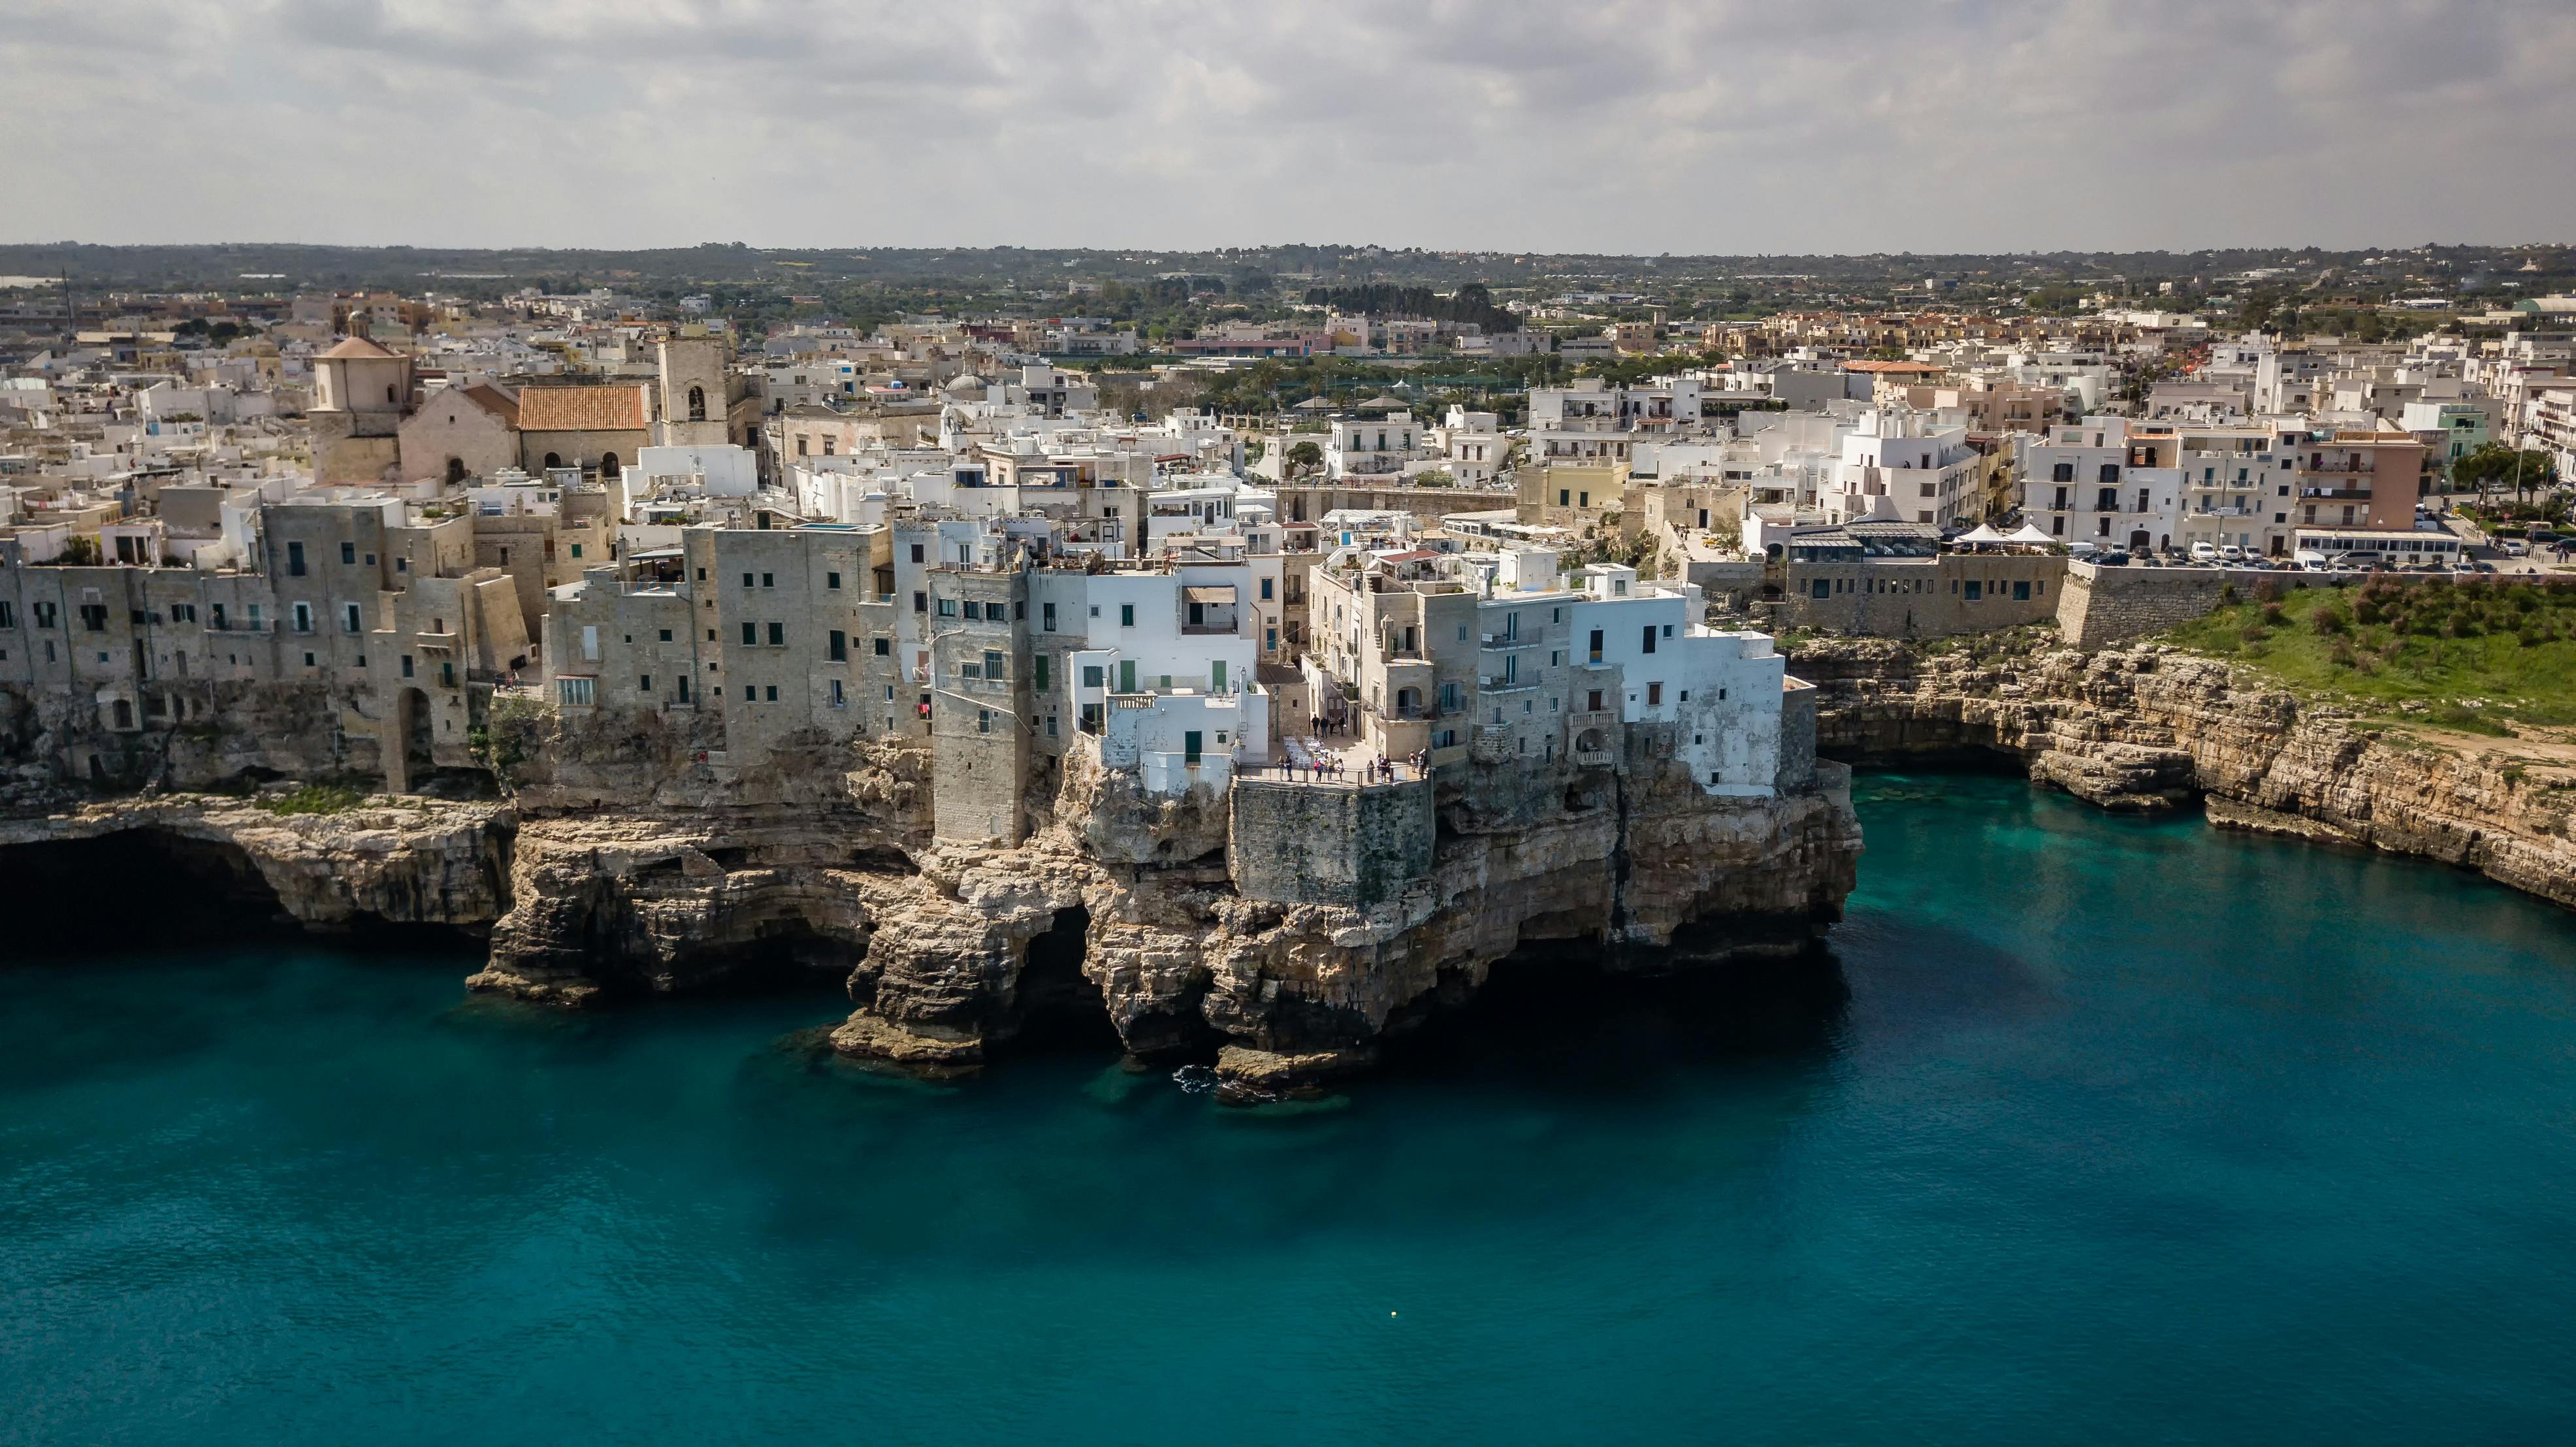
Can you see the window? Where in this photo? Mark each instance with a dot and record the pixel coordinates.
(1654, 695)
(921, 602)
(1649, 643)
(1046, 617)
(992, 664)
(974, 610)
(348, 552)
(576, 692)
(666, 635)
(832, 581)
(303, 617)
(769, 580)
(9, 619)
(746, 580)
(1265, 590)
(350, 622)
(916, 552)
(576, 550)
(1126, 615)
(750, 634)
(406, 665)
(94, 617)
(777, 635)
(645, 683)
(885, 647)
(837, 645)
(1038, 675)
(1668, 630)
(402, 565)
(1091, 675)
(983, 720)
(295, 560)
(947, 607)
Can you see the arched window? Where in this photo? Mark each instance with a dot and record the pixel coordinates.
(697, 404)
(607, 463)
(554, 460)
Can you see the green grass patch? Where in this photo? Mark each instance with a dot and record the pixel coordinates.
(2474, 656)
(314, 799)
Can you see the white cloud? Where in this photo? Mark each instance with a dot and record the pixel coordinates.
(1634, 126)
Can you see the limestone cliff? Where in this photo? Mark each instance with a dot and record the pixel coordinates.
(631, 858)
(2149, 727)
(642, 866)
(404, 861)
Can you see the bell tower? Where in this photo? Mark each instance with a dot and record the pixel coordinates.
(694, 398)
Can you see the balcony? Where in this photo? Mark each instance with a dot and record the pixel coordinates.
(2348, 493)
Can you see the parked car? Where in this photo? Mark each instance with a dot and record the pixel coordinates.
(2513, 547)
(2309, 560)
(2232, 553)
(2115, 558)
(2203, 553)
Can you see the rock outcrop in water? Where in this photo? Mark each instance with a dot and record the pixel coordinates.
(2152, 728)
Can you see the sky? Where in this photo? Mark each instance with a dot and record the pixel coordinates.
(1635, 126)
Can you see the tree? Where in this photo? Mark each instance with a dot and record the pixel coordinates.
(2496, 465)
(1304, 457)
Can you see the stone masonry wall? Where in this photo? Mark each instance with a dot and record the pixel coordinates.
(1295, 843)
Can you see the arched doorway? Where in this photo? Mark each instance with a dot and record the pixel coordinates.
(607, 464)
(455, 470)
(2138, 540)
(554, 460)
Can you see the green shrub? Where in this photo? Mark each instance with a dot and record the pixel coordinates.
(314, 799)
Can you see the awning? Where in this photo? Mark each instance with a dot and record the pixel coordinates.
(2029, 533)
(1983, 534)
(1210, 594)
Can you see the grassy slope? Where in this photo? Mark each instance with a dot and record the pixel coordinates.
(2477, 656)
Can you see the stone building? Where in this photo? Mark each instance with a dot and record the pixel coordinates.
(361, 392)
(595, 428)
(460, 433)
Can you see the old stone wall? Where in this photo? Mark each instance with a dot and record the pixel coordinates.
(1304, 843)
(1797, 736)
(2102, 606)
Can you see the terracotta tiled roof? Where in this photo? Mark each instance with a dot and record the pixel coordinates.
(358, 347)
(495, 401)
(584, 409)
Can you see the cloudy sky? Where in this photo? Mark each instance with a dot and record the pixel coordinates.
(1632, 126)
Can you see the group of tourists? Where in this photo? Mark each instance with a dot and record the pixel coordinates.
(1321, 767)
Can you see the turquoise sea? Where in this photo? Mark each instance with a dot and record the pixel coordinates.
(2088, 1130)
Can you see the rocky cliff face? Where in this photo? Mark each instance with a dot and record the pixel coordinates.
(2147, 727)
(404, 862)
(1119, 908)
(631, 860)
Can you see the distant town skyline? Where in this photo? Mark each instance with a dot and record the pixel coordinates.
(1631, 128)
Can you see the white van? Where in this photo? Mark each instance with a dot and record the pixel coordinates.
(2311, 561)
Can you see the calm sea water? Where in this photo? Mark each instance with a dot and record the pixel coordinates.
(2092, 1130)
